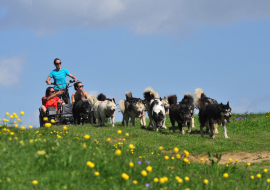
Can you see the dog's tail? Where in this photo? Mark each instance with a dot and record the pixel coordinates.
(172, 99)
(101, 97)
(189, 96)
(92, 99)
(128, 95)
(149, 93)
(122, 105)
(198, 94)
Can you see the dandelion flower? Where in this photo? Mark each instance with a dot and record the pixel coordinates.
(41, 152)
(30, 127)
(187, 178)
(259, 175)
(45, 118)
(118, 152)
(11, 133)
(131, 164)
(35, 182)
(131, 146)
(16, 125)
(11, 116)
(144, 173)
(7, 113)
(172, 158)
(205, 181)
(268, 180)
(96, 173)
(125, 176)
(186, 160)
(160, 148)
(265, 170)
(167, 157)
(236, 160)
(252, 177)
(48, 125)
(248, 164)
(180, 180)
(108, 140)
(52, 121)
(225, 175)
(178, 156)
(162, 180)
(230, 159)
(119, 131)
(176, 149)
(156, 180)
(202, 159)
(134, 182)
(22, 113)
(86, 137)
(149, 168)
(127, 135)
(177, 177)
(22, 128)
(90, 164)
(186, 153)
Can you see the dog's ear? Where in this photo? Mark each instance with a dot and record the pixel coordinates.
(228, 103)
(160, 99)
(165, 98)
(114, 100)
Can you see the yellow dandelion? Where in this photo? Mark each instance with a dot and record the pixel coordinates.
(248, 164)
(125, 176)
(160, 148)
(41, 152)
(186, 178)
(178, 156)
(45, 119)
(144, 173)
(205, 181)
(131, 164)
(202, 159)
(22, 113)
(34, 182)
(118, 152)
(90, 164)
(22, 128)
(186, 160)
(127, 135)
(11, 133)
(86, 137)
(167, 157)
(108, 140)
(7, 113)
(96, 173)
(156, 180)
(48, 125)
(258, 175)
(252, 177)
(230, 159)
(179, 180)
(131, 146)
(30, 127)
(134, 182)
(162, 180)
(149, 168)
(268, 180)
(11, 116)
(176, 149)
(225, 175)
(52, 121)
(236, 160)
(265, 170)
(16, 125)
(119, 131)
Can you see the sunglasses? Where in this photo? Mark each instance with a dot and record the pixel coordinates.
(52, 91)
(58, 63)
(81, 86)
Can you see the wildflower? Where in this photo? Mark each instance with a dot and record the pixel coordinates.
(30, 127)
(186, 153)
(11, 133)
(167, 157)
(16, 125)
(144, 173)
(139, 162)
(90, 164)
(165, 178)
(187, 178)
(16, 117)
(125, 176)
(186, 160)
(134, 182)
(265, 170)
(131, 164)
(7, 113)
(230, 159)
(172, 158)
(225, 175)
(205, 181)
(45, 118)
(160, 148)
(149, 168)
(118, 152)
(131, 146)
(127, 135)
(96, 173)
(148, 185)
(65, 128)
(156, 180)
(268, 180)
(34, 182)
(252, 177)
(86, 137)
(11, 116)
(21, 142)
(180, 180)
(22, 128)
(147, 162)
(201, 159)
(140, 156)
(248, 164)
(41, 152)
(108, 140)
(162, 180)
(178, 156)
(176, 149)
(48, 125)
(236, 160)
(119, 131)
(177, 177)
(52, 121)
(170, 168)
(22, 113)
(258, 175)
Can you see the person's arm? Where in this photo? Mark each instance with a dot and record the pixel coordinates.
(53, 95)
(48, 80)
(73, 98)
(73, 77)
(86, 95)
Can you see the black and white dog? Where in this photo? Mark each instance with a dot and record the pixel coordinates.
(215, 113)
(182, 112)
(157, 113)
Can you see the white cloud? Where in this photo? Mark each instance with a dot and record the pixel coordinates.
(93, 92)
(142, 16)
(10, 70)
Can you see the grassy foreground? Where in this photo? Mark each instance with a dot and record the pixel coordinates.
(92, 157)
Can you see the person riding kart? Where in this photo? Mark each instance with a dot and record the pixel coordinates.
(59, 75)
(51, 99)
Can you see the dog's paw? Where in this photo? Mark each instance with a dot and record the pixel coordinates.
(188, 131)
(227, 137)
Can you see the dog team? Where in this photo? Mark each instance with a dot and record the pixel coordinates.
(211, 113)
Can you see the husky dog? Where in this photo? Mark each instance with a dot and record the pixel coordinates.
(103, 109)
(215, 113)
(157, 112)
(134, 108)
(182, 112)
(201, 101)
(150, 94)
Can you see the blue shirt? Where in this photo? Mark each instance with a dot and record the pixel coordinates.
(59, 78)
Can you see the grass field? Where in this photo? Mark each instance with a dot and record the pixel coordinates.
(93, 157)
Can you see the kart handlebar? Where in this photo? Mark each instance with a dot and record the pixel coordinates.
(53, 83)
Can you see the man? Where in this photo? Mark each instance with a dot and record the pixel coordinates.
(59, 75)
(51, 100)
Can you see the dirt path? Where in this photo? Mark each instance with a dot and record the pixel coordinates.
(246, 157)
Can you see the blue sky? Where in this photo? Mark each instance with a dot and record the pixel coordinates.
(116, 46)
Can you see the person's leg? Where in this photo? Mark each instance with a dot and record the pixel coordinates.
(43, 110)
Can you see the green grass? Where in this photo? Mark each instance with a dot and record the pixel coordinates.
(64, 164)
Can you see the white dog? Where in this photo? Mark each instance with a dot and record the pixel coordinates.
(158, 114)
(103, 109)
